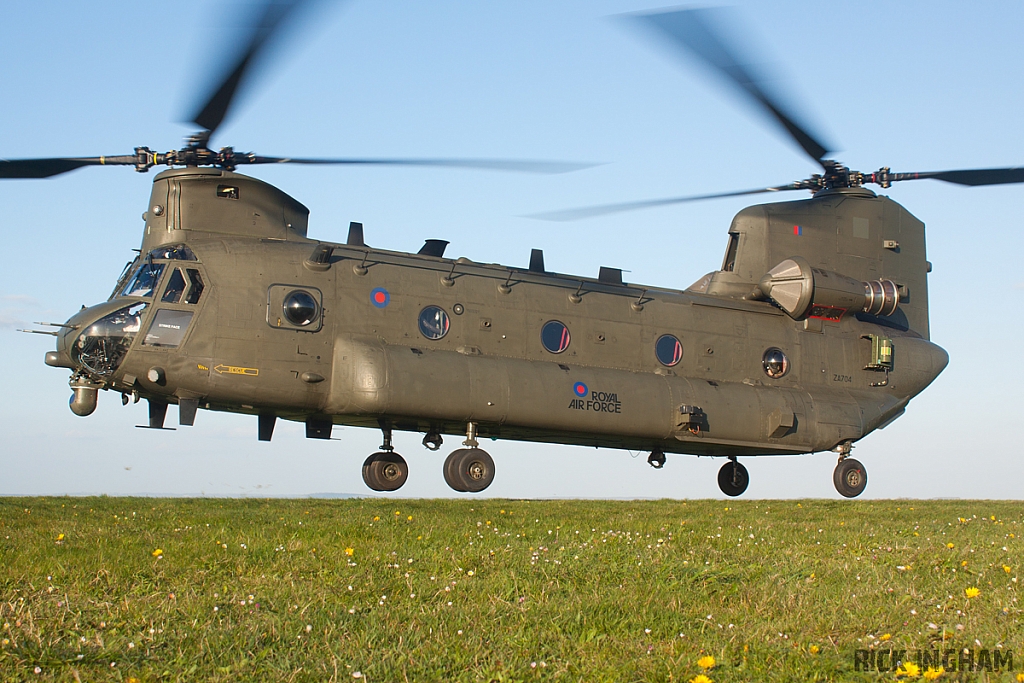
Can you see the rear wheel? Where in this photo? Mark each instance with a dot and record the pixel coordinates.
(733, 478)
(850, 478)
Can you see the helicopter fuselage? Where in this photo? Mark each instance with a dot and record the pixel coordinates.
(231, 307)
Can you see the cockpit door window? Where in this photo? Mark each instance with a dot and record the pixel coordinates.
(195, 286)
(175, 287)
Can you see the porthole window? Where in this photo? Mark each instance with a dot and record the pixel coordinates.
(668, 350)
(775, 362)
(300, 308)
(554, 336)
(433, 322)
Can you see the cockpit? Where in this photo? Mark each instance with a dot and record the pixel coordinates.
(99, 347)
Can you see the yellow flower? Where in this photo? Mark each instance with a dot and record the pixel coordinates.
(814, 649)
(1020, 678)
(1006, 568)
(157, 553)
(700, 678)
(909, 669)
(964, 563)
(350, 551)
(706, 662)
(972, 592)
(397, 512)
(409, 518)
(950, 546)
(376, 518)
(60, 537)
(885, 636)
(931, 673)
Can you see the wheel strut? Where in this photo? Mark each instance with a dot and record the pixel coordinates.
(471, 441)
(385, 427)
(843, 450)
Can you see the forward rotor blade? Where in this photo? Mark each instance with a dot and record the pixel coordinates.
(271, 17)
(47, 168)
(521, 166)
(604, 209)
(973, 177)
(693, 29)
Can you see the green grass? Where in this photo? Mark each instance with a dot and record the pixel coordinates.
(505, 590)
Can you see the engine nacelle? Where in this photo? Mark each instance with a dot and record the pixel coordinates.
(802, 291)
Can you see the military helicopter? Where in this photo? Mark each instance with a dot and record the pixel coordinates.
(812, 334)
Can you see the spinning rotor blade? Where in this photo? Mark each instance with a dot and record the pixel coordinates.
(604, 209)
(974, 177)
(693, 30)
(522, 166)
(271, 17)
(47, 168)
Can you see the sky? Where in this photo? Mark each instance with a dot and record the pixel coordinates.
(916, 86)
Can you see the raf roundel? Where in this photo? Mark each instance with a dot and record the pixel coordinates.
(580, 389)
(380, 298)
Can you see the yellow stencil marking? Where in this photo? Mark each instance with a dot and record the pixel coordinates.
(235, 370)
(202, 367)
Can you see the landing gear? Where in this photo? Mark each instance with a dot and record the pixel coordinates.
(385, 470)
(733, 478)
(850, 478)
(656, 460)
(469, 470)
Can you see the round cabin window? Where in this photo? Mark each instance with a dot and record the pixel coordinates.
(668, 350)
(554, 336)
(433, 322)
(300, 308)
(775, 362)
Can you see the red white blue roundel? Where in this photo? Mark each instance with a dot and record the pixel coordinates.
(580, 389)
(379, 297)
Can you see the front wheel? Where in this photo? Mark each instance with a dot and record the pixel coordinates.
(385, 471)
(733, 478)
(850, 478)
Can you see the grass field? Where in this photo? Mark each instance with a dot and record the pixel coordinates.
(124, 589)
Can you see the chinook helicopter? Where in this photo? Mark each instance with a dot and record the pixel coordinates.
(813, 333)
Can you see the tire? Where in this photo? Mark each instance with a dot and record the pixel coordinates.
(850, 478)
(733, 479)
(451, 470)
(476, 470)
(369, 477)
(384, 471)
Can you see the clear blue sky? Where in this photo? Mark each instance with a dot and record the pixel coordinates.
(914, 85)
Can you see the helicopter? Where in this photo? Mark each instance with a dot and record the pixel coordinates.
(728, 368)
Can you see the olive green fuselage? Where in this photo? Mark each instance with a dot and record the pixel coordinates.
(364, 360)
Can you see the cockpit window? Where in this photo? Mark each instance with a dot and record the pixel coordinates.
(175, 287)
(144, 281)
(174, 252)
(101, 346)
(195, 289)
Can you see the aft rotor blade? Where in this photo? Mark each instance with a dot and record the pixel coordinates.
(521, 166)
(604, 209)
(47, 168)
(210, 114)
(973, 177)
(693, 29)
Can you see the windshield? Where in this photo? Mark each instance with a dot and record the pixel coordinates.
(144, 280)
(101, 346)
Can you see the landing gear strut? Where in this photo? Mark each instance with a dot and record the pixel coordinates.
(733, 478)
(471, 469)
(850, 477)
(385, 470)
